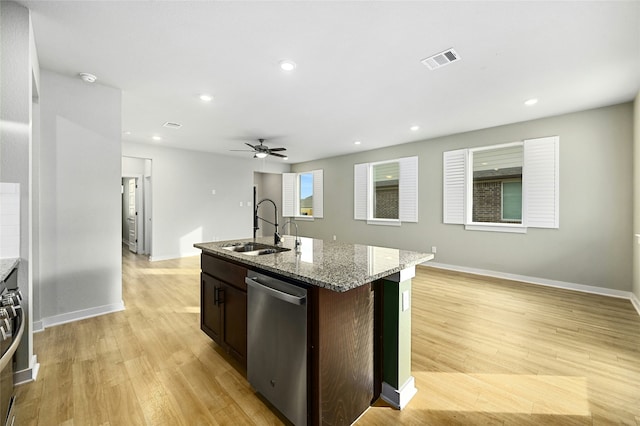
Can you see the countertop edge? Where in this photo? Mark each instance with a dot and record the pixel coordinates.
(7, 265)
(249, 262)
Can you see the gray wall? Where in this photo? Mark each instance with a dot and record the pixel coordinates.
(590, 248)
(269, 185)
(80, 242)
(185, 211)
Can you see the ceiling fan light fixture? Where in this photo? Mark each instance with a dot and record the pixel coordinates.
(206, 97)
(260, 154)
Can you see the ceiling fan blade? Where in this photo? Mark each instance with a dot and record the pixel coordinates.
(277, 155)
(250, 145)
(242, 150)
(278, 149)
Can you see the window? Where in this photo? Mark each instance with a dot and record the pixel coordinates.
(512, 201)
(497, 184)
(386, 192)
(302, 195)
(505, 187)
(305, 183)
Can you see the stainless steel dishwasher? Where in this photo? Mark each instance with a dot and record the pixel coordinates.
(277, 344)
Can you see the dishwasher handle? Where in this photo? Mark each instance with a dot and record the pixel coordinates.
(281, 295)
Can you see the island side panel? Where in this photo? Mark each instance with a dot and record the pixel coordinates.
(342, 356)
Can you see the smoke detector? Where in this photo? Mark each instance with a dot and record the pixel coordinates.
(89, 78)
(441, 59)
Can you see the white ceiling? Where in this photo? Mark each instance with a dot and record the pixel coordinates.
(358, 74)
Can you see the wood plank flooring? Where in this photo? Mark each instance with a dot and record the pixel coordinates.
(485, 351)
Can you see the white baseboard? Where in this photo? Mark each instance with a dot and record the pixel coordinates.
(77, 316)
(542, 281)
(174, 256)
(635, 302)
(399, 398)
(27, 375)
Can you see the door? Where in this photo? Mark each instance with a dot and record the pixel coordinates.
(210, 315)
(235, 320)
(132, 215)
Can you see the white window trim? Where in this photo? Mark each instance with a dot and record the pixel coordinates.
(457, 180)
(291, 195)
(515, 228)
(408, 191)
(384, 222)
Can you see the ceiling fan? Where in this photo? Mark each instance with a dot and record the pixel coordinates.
(262, 150)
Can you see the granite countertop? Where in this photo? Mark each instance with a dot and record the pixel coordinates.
(6, 266)
(333, 265)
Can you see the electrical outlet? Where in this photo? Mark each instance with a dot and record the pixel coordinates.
(434, 249)
(334, 238)
(241, 204)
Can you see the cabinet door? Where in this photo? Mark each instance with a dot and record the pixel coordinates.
(235, 321)
(210, 308)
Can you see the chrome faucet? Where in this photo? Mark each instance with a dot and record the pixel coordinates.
(297, 243)
(276, 237)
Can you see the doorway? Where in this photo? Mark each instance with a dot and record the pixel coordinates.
(136, 205)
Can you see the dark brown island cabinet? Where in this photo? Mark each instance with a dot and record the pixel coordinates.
(223, 305)
(357, 306)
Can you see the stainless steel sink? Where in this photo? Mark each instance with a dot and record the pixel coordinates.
(254, 249)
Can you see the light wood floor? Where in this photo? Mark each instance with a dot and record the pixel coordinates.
(485, 351)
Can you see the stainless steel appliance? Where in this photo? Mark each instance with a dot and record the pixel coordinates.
(277, 344)
(11, 330)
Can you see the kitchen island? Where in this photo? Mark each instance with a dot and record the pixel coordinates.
(358, 320)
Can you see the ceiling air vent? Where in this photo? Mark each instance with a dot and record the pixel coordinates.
(172, 125)
(441, 59)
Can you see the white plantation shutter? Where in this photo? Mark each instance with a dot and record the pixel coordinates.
(541, 182)
(360, 191)
(408, 189)
(455, 182)
(318, 203)
(289, 194)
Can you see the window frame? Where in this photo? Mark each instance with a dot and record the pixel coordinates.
(540, 187)
(489, 226)
(407, 192)
(371, 196)
(291, 195)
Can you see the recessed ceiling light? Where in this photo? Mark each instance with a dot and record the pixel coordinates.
(89, 78)
(127, 133)
(206, 98)
(414, 128)
(287, 65)
(357, 143)
(156, 138)
(530, 102)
